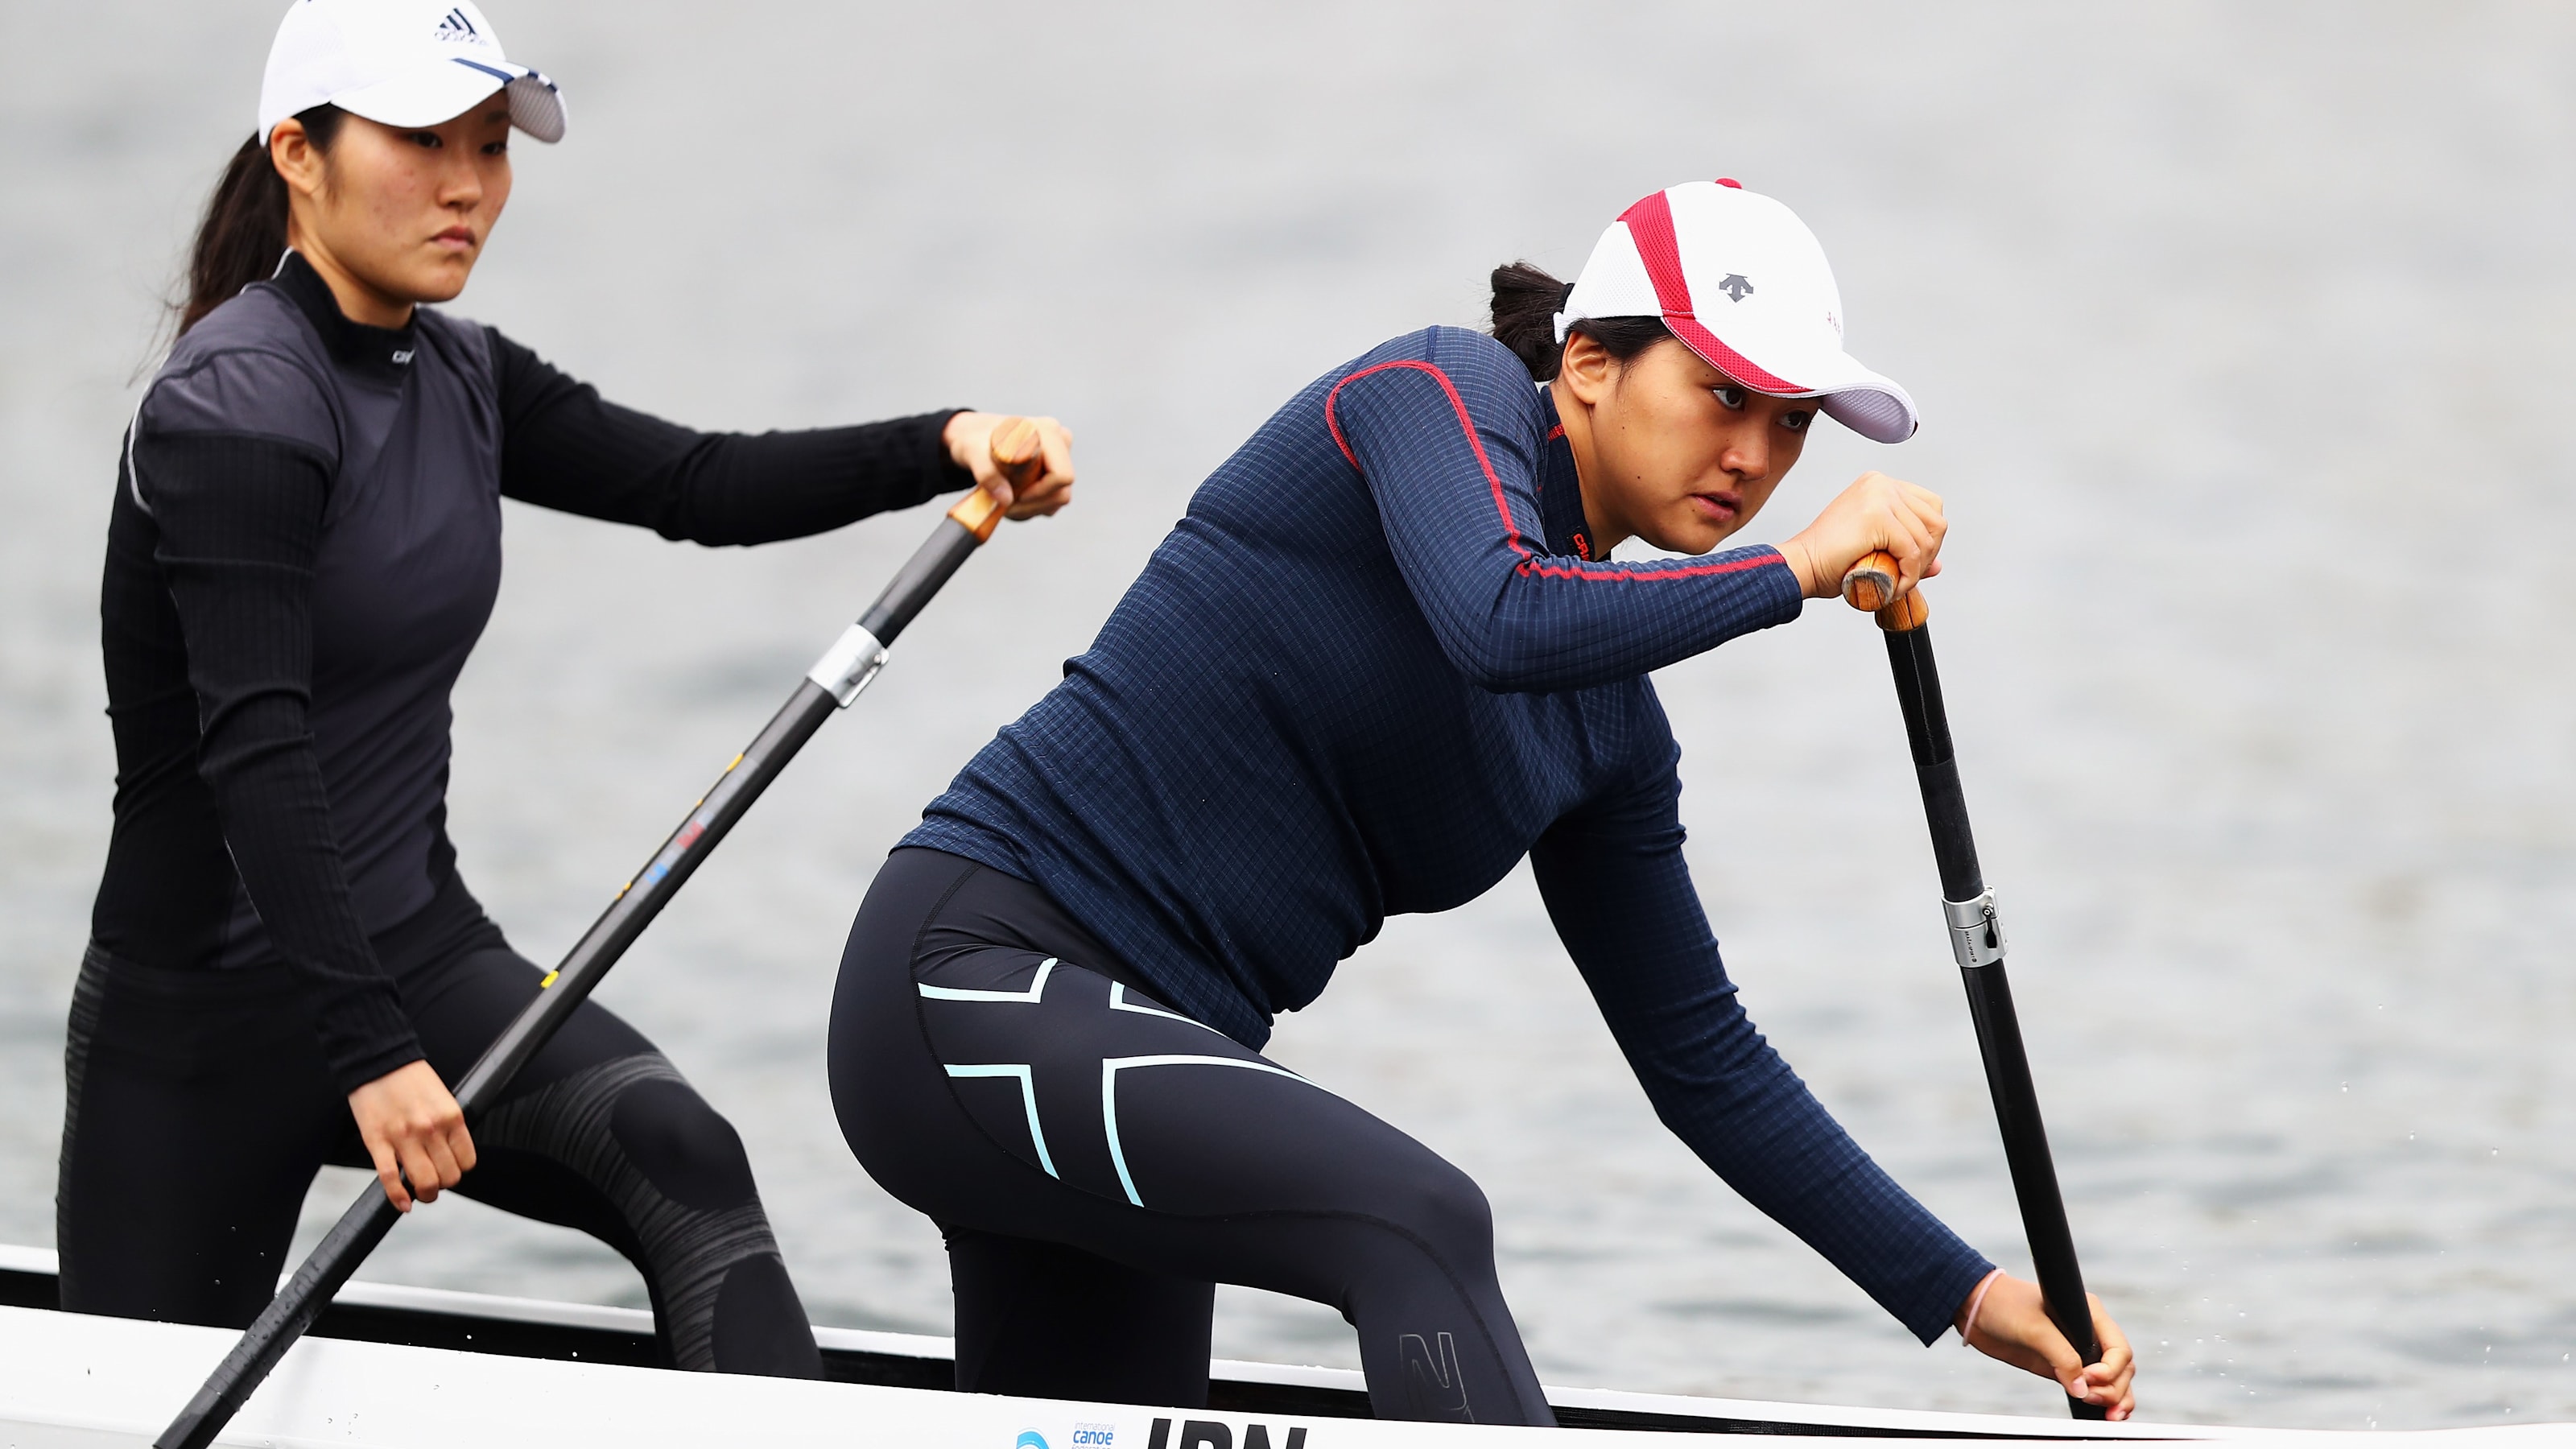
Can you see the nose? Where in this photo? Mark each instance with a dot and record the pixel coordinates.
(1747, 454)
(460, 181)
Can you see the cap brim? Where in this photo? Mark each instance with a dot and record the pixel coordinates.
(442, 90)
(1882, 415)
(1852, 395)
(1861, 400)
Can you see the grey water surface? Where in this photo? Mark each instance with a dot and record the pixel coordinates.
(2243, 338)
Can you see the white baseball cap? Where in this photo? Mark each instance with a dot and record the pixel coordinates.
(401, 62)
(1743, 283)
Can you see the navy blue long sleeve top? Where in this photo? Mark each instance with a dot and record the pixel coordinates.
(1370, 670)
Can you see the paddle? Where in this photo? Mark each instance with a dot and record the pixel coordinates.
(834, 681)
(1977, 941)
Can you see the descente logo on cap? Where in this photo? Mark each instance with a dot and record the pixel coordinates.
(454, 26)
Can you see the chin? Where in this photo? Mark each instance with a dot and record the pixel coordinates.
(441, 285)
(1693, 537)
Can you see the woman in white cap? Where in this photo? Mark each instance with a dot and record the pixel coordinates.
(285, 967)
(1383, 658)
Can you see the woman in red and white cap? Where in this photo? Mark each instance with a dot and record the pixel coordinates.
(285, 967)
(1382, 659)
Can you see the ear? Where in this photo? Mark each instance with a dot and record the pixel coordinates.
(1587, 368)
(296, 158)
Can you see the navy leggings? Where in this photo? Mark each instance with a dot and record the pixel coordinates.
(1099, 1163)
(199, 1107)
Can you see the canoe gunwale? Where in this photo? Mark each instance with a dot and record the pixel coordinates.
(526, 1328)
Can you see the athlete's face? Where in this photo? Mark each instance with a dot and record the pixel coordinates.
(1669, 449)
(393, 216)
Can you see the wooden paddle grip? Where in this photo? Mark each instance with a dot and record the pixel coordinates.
(1871, 586)
(1018, 456)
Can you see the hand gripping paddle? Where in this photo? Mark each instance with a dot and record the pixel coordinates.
(1977, 940)
(833, 682)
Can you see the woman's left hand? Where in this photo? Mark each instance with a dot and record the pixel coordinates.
(2013, 1325)
(970, 442)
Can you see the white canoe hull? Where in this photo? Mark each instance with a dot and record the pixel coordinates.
(69, 1381)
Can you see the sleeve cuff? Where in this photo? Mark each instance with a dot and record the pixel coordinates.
(365, 1035)
(939, 472)
(1949, 1287)
(1782, 597)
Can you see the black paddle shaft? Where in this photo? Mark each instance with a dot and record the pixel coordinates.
(833, 683)
(1990, 1002)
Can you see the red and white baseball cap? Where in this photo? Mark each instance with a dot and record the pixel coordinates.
(1743, 283)
(401, 62)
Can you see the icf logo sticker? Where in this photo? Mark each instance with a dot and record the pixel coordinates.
(1030, 1439)
(1095, 1436)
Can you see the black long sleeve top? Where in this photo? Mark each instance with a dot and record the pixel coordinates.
(304, 548)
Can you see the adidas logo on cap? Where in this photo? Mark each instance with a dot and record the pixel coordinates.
(404, 63)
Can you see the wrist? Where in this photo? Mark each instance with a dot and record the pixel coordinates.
(1966, 1322)
(952, 435)
(1802, 567)
(395, 1075)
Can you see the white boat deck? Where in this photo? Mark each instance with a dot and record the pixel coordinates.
(77, 1382)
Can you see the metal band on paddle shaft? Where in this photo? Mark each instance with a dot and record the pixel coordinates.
(835, 680)
(1977, 941)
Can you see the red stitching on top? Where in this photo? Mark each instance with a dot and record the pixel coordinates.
(1729, 361)
(1650, 226)
(1556, 432)
(1529, 563)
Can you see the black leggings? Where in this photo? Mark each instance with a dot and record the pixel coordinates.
(199, 1108)
(1099, 1162)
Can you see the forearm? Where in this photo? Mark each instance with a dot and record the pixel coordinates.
(276, 822)
(1621, 898)
(565, 447)
(1761, 1130)
(1558, 623)
(734, 488)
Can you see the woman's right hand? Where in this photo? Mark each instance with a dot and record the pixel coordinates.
(1875, 513)
(413, 1129)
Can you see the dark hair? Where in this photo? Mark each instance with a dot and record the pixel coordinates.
(1526, 301)
(244, 230)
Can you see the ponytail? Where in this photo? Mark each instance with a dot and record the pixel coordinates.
(244, 230)
(1526, 301)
